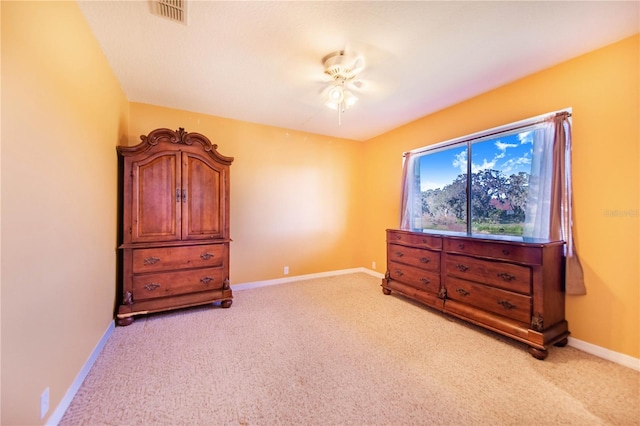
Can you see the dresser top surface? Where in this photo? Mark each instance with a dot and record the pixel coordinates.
(480, 237)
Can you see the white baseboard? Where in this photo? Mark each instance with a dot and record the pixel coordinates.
(256, 284)
(599, 351)
(62, 407)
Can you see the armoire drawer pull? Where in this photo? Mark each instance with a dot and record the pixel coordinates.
(462, 268)
(460, 246)
(399, 273)
(506, 276)
(206, 280)
(505, 252)
(151, 260)
(206, 256)
(152, 286)
(425, 280)
(506, 304)
(178, 195)
(424, 260)
(462, 292)
(399, 254)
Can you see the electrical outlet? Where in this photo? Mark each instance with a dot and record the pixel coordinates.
(44, 403)
(286, 270)
(373, 265)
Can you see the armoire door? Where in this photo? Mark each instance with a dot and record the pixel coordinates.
(156, 198)
(203, 207)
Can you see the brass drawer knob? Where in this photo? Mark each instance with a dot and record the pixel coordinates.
(506, 304)
(462, 268)
(462, 292)
(506, 276)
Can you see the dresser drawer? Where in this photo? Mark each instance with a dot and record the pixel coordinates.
(505, 303)
(498, 274)
(172, 258)
(151, 286)
(418, 278)
(421, 258)
(414, 239)
(508, 251)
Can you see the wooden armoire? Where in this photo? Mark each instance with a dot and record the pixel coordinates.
(174, 224)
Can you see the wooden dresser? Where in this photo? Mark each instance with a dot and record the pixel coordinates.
(511, 287)
(174, 224)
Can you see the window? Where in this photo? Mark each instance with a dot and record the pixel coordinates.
(487, 184)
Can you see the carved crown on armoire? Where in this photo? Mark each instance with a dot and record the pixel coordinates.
(174, 224)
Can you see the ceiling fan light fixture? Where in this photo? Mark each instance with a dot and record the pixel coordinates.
(336, 94)
(341, 68)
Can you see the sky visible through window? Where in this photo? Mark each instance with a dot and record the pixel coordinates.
(510, 154)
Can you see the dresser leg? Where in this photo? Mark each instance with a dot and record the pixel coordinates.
(562, 343)
(386, 291)
(538, 353)
(123, 322)
(226, 303)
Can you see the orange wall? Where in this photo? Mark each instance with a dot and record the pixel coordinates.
(63, 112)
(602, 88)
(296, 198)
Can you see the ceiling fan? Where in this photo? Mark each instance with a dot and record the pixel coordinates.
(342, 69)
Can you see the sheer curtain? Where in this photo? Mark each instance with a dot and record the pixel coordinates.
(549, 204)
(410, 193)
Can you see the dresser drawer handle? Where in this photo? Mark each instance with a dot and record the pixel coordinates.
(505, 252)
(206, 280)
(506, 304)
(462, 292)
(399, 273)
(424, 260)
(462, 268)
(425, 280)
(506, 276)
(206, 256)
(461, 246)
(152, 286)
(399, 254)
(151, 260)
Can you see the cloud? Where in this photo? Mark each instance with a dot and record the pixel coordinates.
(525, 137)
(460, 161)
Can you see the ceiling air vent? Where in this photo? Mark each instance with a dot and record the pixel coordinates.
(176, 10)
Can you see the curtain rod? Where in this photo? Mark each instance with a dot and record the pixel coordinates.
(493, 131)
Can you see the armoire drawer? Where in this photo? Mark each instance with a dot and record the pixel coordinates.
(511, 252)
(421, 258)
(507, 276)
(418, 278)
(505, 303)
(150, 286)
(172, 258)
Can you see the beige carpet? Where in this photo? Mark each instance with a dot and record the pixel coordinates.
(336, 351)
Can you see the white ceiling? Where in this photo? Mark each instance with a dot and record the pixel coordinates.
(261, 61)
